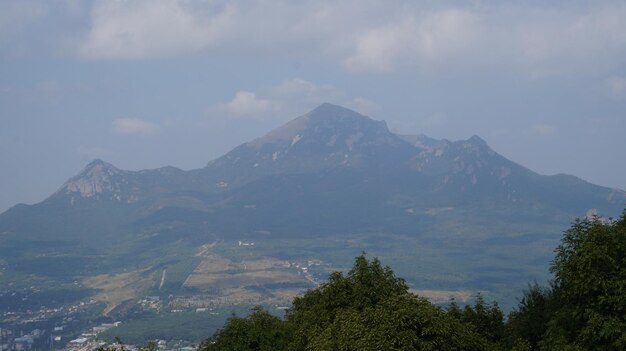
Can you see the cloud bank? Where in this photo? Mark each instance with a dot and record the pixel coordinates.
(286, 100)
(145, 29)
(134, 126)
(368, 36)
(246, 103)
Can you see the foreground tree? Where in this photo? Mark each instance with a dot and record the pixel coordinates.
(530, 320)
(259, 331)
(590, 288)
(398, 323)
(369, 308)
(485, 319)
(365, 286)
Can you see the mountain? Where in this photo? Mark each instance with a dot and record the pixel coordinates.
(328, 138)
(449, 215)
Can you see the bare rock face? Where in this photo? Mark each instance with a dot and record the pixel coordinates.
(97, 177)
(99, 181)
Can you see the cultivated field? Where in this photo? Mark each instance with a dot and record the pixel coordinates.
(252, 280)
(118, 288)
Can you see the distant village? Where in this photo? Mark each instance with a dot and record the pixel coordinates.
(42, 329)
(55, 337)
(67, 328)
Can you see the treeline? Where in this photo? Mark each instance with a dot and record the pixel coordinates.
(369, 308)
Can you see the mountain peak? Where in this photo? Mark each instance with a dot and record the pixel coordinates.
(97, 169)
(98, 163)
(475, 139)
(478, 144)
(328, 110)
(328, 136)
(327, 121)
(95, 178)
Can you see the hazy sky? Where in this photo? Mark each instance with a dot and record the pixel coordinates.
(144, 84)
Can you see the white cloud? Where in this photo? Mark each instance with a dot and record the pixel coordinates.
(438, 119)
(536, 41)
(246, 103)
(134, 126)
(414, 41)
(617, 87)
(288, 99)
(362, 105)
(302, 92)
(40, 29)
(531, 38)
(542, 129)
(588, 38)
(93, 152)
(152, 28)
(16, 16)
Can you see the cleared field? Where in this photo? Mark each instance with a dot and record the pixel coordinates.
(205, 249)
(264, 263)
(253, 278)
(213, 264)
(285, 296)
(443, 296)
(243, 296)
(117, 288)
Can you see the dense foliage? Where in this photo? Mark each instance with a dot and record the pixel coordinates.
(585, 306)
(366, 309)
(529, 321)
(369, 308)
(590, 287)
(259, 331)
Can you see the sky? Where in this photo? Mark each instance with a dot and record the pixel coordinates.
(148, 83)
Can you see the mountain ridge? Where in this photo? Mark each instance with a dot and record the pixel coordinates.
(327, 185)
(338, 136)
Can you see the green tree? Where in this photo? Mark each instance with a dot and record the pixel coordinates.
(371, 309)
(485, 319)
(368, 308)
(530, 319)
(260, 331)
(365, 285)
(404, 322)
(590, 287)
(454, 310)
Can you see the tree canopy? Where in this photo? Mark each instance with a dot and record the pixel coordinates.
(590, 287)
(259, 331)
(369, 308)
